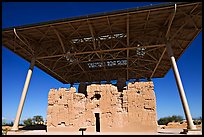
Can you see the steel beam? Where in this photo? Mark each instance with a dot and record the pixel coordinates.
(103, 51)
(170, 23)
(60, 39)
(158, 63)
(128, 44)
(27, 45)
(92, 34)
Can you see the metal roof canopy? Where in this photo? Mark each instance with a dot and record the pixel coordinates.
(123, 44)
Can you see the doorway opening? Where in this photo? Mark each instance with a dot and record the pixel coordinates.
(97, 122)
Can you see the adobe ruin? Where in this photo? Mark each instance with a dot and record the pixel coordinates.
(103, 109)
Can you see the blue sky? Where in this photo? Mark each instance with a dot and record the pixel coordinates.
(14, 68)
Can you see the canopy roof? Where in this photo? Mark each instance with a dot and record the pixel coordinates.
(122, 44)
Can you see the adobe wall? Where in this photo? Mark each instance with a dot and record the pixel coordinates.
(132, 110)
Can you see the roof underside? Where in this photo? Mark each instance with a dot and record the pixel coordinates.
(125, 44)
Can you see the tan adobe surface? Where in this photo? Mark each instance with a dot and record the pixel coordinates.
(131, 110)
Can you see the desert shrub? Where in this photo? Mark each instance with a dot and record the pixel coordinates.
(166, 120)
(37, 119)
(27, 122)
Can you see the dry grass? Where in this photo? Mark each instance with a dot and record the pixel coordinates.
(9, 127)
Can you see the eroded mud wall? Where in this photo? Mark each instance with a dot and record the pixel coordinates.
(132, 110)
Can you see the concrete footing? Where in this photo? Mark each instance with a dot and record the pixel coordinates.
(191, 131)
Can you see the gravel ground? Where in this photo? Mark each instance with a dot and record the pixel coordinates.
(175, 131)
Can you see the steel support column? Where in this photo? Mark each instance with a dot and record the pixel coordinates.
(180, 88)
(23, 96)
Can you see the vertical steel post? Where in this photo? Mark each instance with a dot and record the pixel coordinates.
(23, 96)
(180, 88)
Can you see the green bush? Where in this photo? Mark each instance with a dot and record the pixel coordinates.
(166, 120)
(197, 121)
(33, 121)
(37, 119)
(27, 122)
